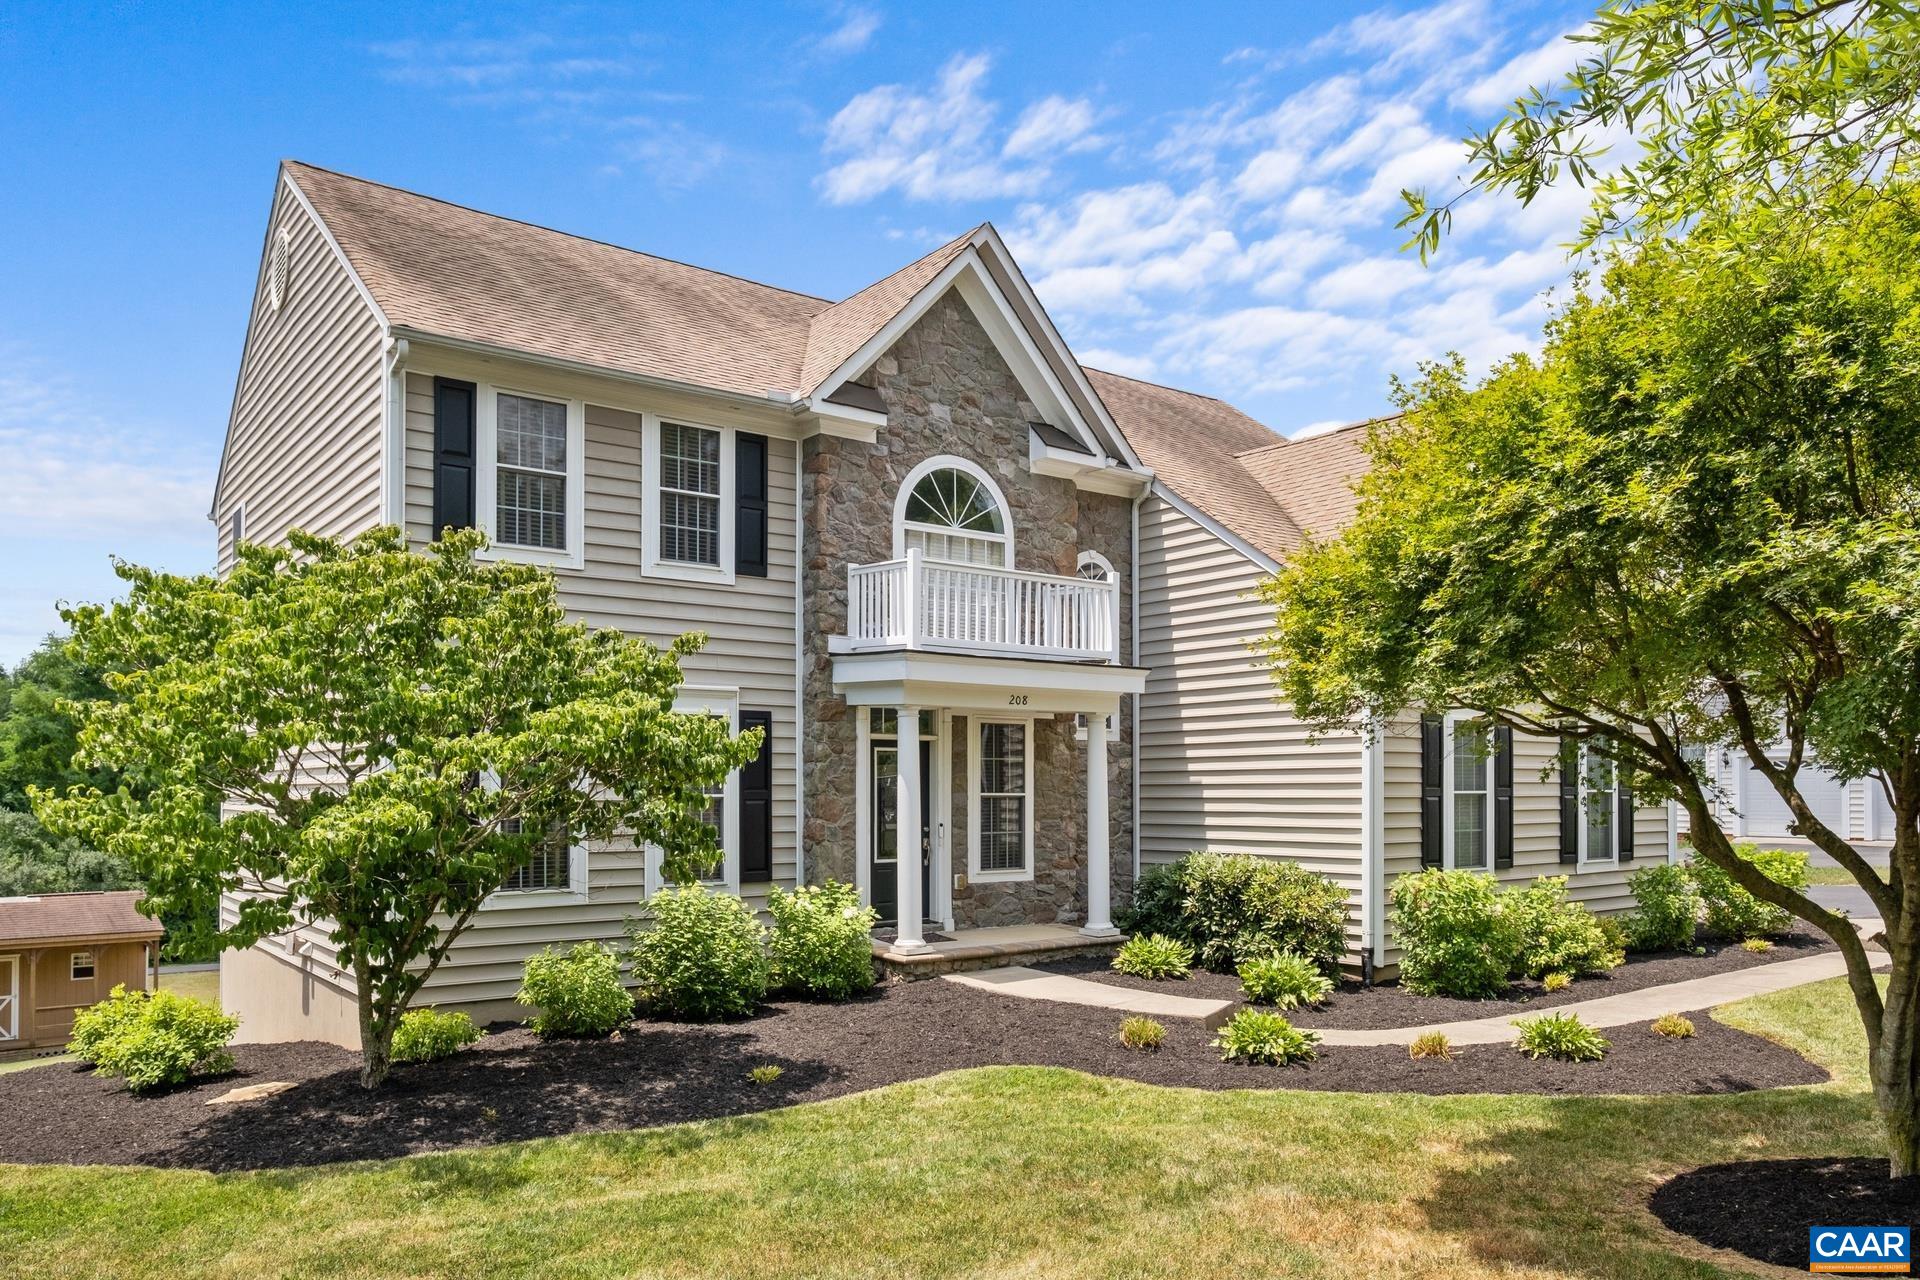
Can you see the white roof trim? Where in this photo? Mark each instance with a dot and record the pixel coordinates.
(990, 237)
(326, 233)
(1214, 527)
(990, 306)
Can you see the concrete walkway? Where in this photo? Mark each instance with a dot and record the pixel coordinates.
(1604, 1011)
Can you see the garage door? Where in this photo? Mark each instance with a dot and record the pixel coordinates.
(1880, 823)
(1767, 812)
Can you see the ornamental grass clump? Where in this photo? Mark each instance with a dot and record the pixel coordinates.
(1153, 956)
(153, 1040)
(1556, 982)
(427, 1035)
(1560, 1035)
(822, 943)
(1673, 1026)
(1255, 1035)
(1142, 1034)
(699, 955)
(577, 992)
(1431, 1044)
(1284, 981)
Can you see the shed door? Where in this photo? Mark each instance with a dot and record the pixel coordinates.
(9, 997)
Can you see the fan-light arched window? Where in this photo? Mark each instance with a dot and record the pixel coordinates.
(950, 510)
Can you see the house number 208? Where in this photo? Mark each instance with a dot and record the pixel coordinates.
(1016, 699)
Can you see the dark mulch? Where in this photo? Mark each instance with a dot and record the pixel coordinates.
(1762, 1208)
(1387, 1005)
(512, 1086)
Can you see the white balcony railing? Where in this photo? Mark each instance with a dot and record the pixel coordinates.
(921, 604)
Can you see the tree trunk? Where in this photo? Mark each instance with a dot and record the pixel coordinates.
(1893, 1059)
(376, 1044)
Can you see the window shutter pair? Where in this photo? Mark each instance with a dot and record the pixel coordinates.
(756, 803)
(454, 445)
(1433, 810)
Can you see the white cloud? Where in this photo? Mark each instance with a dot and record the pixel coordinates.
(853, 33)
(1541, 67)
(1052, 125)
(1319, 428)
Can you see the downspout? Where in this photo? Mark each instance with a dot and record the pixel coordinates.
(393, 454)
(799, 664)
(1133, 656)
(1372, 848)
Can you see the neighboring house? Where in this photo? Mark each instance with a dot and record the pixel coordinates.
(60, 952)
(909, 507)
(1225, 766)
(1748, 807)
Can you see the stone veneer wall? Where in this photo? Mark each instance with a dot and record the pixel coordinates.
(948, 392)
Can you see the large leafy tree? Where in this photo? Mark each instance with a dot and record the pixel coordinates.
(1692, 521)
(370, 741)
(37, 738)
(1671, 110)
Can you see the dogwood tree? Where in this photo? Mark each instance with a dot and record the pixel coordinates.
(1693, 521)
(370, 741)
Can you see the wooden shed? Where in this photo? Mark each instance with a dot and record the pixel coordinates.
(61, 952)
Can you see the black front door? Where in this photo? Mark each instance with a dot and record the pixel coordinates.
(885, 878)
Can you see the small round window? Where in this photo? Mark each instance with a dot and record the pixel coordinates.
(955, 516)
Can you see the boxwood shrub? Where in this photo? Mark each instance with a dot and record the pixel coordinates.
(153, 1040)
(699, 955)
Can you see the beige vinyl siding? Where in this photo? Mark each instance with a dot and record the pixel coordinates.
(750, 625)
(1536, 824)
(1223, 764)
(304, 444)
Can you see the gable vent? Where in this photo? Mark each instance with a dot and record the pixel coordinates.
(277, 268)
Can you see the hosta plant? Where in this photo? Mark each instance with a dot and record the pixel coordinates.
(1562, 1036)
(1154, 956)
(1255, 1035)
(1285, 980)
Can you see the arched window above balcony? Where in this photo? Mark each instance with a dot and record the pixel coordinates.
(950, 510)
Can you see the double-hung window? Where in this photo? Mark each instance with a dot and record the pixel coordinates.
(722, 813)
(1001, 773)
(688, 475)
(531, 475)
(1469, 795)
(1599, 807)
(549, 870)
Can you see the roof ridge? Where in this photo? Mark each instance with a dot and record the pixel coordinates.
(1179, 391)
(570, 235)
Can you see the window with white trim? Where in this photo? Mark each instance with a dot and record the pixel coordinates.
(722, 813)
(689, 463)
(1001, 776)
(551, 867)
(1469, 796)
(80, 966)
(1095, 567)
(530, 472)
(1599, 807)
(950, 511)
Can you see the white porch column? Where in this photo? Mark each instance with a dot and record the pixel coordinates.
(907, 905)
(1099, 862)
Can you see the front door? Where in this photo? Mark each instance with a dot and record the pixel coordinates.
(9, 997)
(885, 878)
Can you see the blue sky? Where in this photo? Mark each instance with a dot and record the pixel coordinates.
(1202, 195)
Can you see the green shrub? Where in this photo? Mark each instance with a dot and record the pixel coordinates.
(577, 992)
(1431, 1044)
(1153, 956)
(822, 944)
(154, 1040)
(1731, 911)
(1562, 1036)
(426, 1035)
(1239, 908)
(1159, 902)
(766, 1073)
(1143, 1034)
(1284, 980)
(1556, 981)
(1255, 1035)
(1668, 909)
(703, 956)
(1455, 937)
(1555, 935)
(1673, 1026)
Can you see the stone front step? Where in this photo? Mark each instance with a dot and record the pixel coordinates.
(965, 950)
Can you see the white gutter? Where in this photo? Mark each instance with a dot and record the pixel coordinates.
(393, 452)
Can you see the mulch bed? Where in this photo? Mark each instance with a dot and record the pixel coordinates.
(1762, 1208)
(511, 1086)
(1386, 1005)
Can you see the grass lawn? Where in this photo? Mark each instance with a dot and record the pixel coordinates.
(1002, 1171)
(1835, 875)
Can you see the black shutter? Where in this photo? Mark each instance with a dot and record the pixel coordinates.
(750, 504)
(453, 454)
(1569, 800)
(1624, 814)
(1433, 750)
(756, 803)
(1502, 796)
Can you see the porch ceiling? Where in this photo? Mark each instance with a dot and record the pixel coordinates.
(972, 682)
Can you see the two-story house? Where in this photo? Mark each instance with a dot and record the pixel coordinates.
(989, 606)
